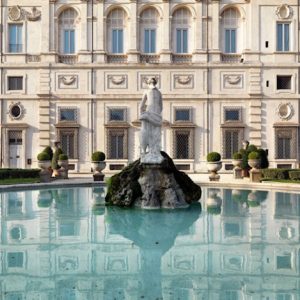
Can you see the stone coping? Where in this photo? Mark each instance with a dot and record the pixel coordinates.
(88, 182)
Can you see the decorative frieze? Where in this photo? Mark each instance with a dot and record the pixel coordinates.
(16, 13)
(183, 81)
(144, 80)
(232, 80)
(117, 81)
(285, 111)
(67, 81)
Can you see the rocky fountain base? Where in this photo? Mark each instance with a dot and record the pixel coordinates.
(152, 186)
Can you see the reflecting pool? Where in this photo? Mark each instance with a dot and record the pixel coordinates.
(64, 244)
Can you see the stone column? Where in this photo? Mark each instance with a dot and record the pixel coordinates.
(133, 54)
(198, 53)
(99, 32)
(215, 31)
(165, 54)
(45, 20)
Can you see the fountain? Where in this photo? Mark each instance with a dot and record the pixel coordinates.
(152, 181)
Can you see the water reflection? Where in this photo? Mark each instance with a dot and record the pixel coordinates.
(64, 244)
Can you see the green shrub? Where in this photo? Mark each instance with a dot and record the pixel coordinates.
(98, 156)
(43, 156)
(63, 157)
(237, 155)
(251, 148)
(49, 150)
(274, 173)
(213, 157)
(294, 174)
(253, 155)
(264, 162)
(19, 173)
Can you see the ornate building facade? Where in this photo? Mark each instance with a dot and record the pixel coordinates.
(75, 71)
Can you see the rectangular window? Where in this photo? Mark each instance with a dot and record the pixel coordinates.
(68, 114)
(150, 40)
(183, 115)
(284, 261)
(116, 145)
(117, 41)
(69, 41)
(183, 144)
(285, 141)
(181, 40)
(67, 229)
(15, 83)
(15, 38)
(67, 141)
(230, 40)
(117, 114)
(231, 143)
(283, 37)
(284, 82)
(232, 114)
(15, 259)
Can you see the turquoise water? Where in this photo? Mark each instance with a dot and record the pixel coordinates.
(63, 244)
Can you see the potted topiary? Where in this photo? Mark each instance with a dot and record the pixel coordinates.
(214, 164)
(254, 159)
(98, 165)
(237, 160)
(63, 162)
(44, 163)
(44, 199)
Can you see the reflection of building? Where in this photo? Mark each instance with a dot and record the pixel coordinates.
(74, 72)
(246, 250)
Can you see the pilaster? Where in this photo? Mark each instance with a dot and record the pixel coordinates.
(132, 50)
(165, 55)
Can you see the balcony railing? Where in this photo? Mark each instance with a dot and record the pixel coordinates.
(116, 58)
(68, 59)
(181, 58)
(149, 58)
(231, 58)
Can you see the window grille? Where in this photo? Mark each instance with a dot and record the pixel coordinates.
(149, 17)
(67, 142)
(230, 18)
(284, 82)
(182, 16)
(117, 114)
(68, 114)
(183, 144)
(232, 114)
(232, 141)
(15, 137)
(117, 143)
(15, 83)
(183, 115)
(285, 143)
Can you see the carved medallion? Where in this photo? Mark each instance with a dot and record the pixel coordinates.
(118, 81)
(16, 111)
(285, 111)
(34, 15)
(284, 11)
(15, 13)
(183, 81)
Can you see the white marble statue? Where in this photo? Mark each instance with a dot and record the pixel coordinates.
(150, 116)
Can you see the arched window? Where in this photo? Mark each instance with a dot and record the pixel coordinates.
(67, 31)
(115, 31)
(148, 31)
(181, 24)
(230, 30)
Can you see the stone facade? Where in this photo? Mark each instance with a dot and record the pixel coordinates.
(228, 71)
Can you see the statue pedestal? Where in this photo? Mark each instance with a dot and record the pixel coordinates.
(159, 189)
(255, 175)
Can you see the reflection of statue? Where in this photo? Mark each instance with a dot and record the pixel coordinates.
(150, 115)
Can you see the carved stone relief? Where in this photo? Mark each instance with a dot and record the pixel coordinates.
(233, 81)
(16, 13)
(68, 263)
(285, 111)
(144, 80)
(67, 81)
(118, 81)
(116, 263)
(183, 81)
(284, 11)
(16, 111)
